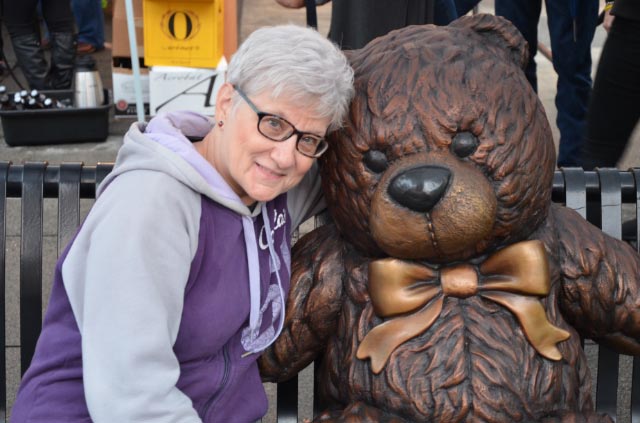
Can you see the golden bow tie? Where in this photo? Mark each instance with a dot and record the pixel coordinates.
(514, 277)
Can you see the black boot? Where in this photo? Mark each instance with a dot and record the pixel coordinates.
(31, 59)
(63, 55)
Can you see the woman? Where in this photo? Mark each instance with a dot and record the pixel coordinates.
(614, 108)
(164, 300)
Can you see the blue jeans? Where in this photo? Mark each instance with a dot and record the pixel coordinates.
(571, 61)
(90, 21)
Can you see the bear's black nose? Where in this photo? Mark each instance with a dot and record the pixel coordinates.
(420, 188)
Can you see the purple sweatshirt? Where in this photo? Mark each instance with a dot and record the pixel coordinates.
(167, 294)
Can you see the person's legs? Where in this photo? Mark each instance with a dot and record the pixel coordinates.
(59, 19)
(524, 14)
(571, 51)
(614, 107)
(20, 19)
(89, 19)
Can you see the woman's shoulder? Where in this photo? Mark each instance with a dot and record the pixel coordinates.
(148, 194)
(148, 183)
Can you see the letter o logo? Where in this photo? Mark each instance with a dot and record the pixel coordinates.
(180, 25)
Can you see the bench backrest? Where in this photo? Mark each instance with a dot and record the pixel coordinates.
(613, 194)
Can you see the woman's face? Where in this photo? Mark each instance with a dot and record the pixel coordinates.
(257, 168)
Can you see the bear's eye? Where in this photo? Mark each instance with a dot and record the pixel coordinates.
(376, 161)
(464, 144)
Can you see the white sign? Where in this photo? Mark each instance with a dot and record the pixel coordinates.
(181, 88)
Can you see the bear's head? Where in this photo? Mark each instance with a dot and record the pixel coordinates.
(447, 153)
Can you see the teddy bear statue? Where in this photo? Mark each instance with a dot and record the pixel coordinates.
(447, 286)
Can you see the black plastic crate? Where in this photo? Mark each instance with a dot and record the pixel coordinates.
(56, 126)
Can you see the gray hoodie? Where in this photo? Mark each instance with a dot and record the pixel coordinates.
(161, 302)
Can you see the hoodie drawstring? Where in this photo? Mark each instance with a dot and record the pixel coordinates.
(254, 272)
(251, 341)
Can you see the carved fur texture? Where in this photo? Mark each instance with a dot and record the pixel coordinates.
(446, 158)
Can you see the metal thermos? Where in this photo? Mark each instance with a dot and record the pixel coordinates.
(88, 91)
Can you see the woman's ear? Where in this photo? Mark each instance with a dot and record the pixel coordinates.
(224, 100)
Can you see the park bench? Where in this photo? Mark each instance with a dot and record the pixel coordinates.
(28, 191)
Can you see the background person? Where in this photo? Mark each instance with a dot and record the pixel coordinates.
(356, 22)
(21, 20)
(175, 283)
(614, 109)
(572, 24)
(90, 21)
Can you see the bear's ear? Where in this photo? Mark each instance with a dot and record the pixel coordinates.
(350, 54)
(499, 31)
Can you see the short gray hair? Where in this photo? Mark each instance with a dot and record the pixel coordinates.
(297, 63)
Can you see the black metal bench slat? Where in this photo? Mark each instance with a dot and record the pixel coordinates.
(287, 401)
(88, 180)
(31, 261)
(575, 190)
(68, 203)
(100, 172)
(611, 224)
(575, 193)
(4, 171)
(611, 202)
(32, 182)
(592, 184)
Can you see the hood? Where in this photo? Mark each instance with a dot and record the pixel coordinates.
(165, 145)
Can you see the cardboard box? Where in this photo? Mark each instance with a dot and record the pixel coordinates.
(120, 41)
(183, 33)
(181, 88)
(124, 96)
(123, 85)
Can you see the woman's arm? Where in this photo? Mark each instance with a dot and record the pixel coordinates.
(125, 276)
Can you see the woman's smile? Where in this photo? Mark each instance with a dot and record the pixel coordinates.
(269, 173)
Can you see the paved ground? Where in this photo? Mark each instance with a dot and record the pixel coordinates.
(254, 13)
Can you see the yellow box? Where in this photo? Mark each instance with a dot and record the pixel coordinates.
(183, 33)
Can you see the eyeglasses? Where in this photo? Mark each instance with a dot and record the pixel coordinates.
(279, 129)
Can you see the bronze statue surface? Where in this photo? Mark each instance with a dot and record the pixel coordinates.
(448, 287)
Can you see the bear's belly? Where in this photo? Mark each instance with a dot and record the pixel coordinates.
(473, 364)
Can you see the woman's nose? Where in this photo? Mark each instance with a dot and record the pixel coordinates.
(284, 152)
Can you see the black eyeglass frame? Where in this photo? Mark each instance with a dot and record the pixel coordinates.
(322, 146)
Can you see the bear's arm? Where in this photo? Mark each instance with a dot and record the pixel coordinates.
(601, 282)
(313, 304)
